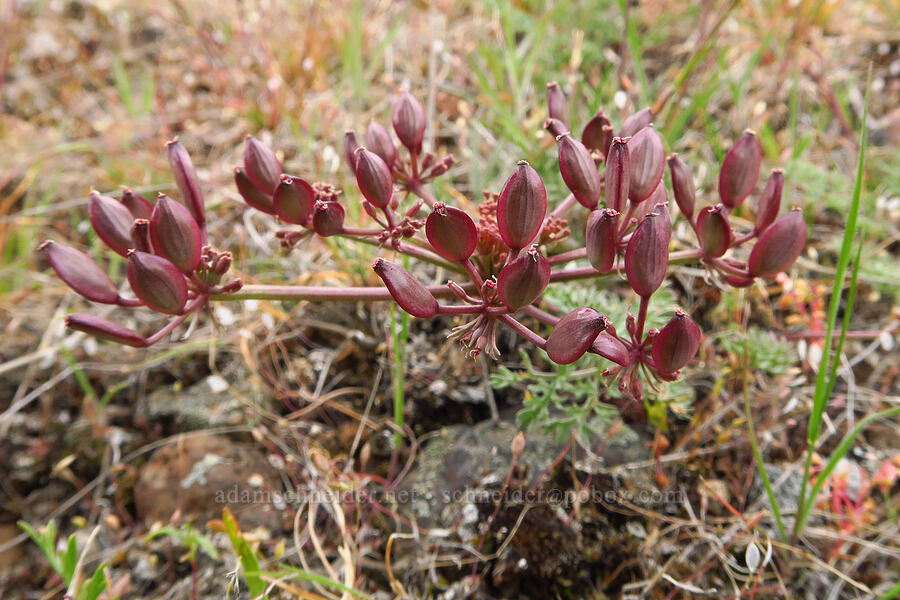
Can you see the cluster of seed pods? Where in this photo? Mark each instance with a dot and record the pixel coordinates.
(171, 269)
(500, 265)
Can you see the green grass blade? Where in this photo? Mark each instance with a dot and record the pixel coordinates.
(398, 342)
(80, 376)
(634, 46)
(823, 384)
(757, 455)
(892, 593)
(95, 586)
(836, 456)
(288, 570)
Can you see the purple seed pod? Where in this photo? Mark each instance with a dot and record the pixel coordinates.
(187, 180)
(555, 127)
(328, 218)
(521, 207)
(406, 290)
(658, 202)
(140, 235)
(293, 200)
(350, 146)
(778, 246)
(617, 174)
(137, 205)
(251, 194)
(714, 231)
(451, 232)
(647, 254)
(174, 234)
(408, 118)
(157, 283)
(557, 104)
(80, 272)
(636, 122)
(601, 238)
(736, 281)
(682, 185)
(378, 139)
(597, 135)
(676, 343)
(609, 347)
(111, 221)
(521, 281)
(574, 334)
(647, 163)
(579, 172)
(740, 170)
(105, 329)
(261, 165)
(373, 178)
(769, 202)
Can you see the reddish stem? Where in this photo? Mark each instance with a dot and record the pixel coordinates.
(523, 331)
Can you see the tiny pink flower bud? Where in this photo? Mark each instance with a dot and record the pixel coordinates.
(140, 236)
(413, 210)
(521, 207)
(557, 104)
(555, 127)
(676, 344)
(682, 185)
(261, 165)
(251, 194)
(157, 283)
(174, 234)
(517, 446)
(778, 246)
(137, 205)
(370, 209)
(408, 118)
(443, 166)
(80, 272)
(579, 172)
(574, 335)
(647, 254)
(328, 218)
(647, 161)
(293, 200)
(373, 178)
(740, 170)
(379, 141)
(451, 232)
(597, 135)
(601, 238)
(770, 201)
(406, 290)
(427, 160)
(105, 329)
(617, 174)
(111, 221)
(187, 180)
(232, 286)
(636, 122)
(609, 347)
(524, 279)
(222, 264)
(714, 231)
(350, 146)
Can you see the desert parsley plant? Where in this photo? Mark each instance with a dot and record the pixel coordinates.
(501, 261)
